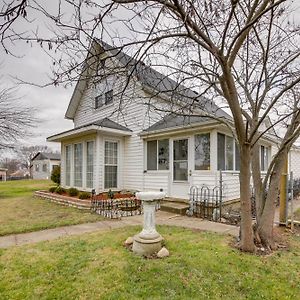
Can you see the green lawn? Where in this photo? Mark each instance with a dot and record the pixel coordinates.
(97, 266)
(21, 212)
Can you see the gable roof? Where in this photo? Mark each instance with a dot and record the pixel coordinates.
(149, 78)
(44, 155)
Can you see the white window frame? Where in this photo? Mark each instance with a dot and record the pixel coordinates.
(68, 174)
(157, 155)
(74, 170)
(117, 165)
(194, 151)
(93, 164)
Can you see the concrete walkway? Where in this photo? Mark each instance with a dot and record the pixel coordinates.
(162, 218)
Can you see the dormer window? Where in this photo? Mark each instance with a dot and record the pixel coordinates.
(99, 101)
(109, 97)
(104, 99)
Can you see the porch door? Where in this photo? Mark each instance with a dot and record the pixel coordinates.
(181, 167)
(110, 164)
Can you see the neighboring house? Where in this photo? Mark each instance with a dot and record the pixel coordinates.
(43, 163)
(19, 174)
(3, 174)
(140, 148)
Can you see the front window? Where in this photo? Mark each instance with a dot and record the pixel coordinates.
(68, 165)
(158, 155)
(202, 151)
(228, 153)
(110, 165)
(89, 164)
(78, 165)
(45, 168)
(264, 158)
(37, 167)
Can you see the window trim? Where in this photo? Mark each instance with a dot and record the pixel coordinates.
(86, 163)
(65, 167)
(117, 165)
(79, 143)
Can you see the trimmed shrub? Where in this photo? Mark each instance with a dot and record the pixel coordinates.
(110, 194)
(73, 192)
(55, 175)
(60, 190)
(52, 189)
(84, 195)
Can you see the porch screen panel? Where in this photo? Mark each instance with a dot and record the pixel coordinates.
(163, 155)
(180, 155)
(90, 164)
(221, 151)
(110, 165)
(78, 165)
(237, 158)
(68, 165)
(202, 151)
(229, 153)
(152, 155)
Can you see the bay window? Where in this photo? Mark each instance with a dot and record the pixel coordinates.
(89, 164)
(78, 165)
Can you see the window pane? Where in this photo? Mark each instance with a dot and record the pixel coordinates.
(68, 165)
(181, 149)
(202, 151)
(264, 158)
(109, 97)
(111, 165)
(181, 170)
(89, 164)
(152, 155)
(110, 176)
(98, 101)
(221, 151)
(78, 165)
(229, 153)
(163, 155)
(237, 158)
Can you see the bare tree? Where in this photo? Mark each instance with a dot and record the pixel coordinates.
(15, 119)
(243, 54)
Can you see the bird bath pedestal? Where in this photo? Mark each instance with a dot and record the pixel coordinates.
(148, 241)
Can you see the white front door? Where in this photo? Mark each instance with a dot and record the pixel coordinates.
(181, 168)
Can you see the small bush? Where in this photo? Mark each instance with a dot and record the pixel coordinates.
(52, 189)
(110, 194)
(84, 195)
(60, 190)
(73, 192)
(55, 175)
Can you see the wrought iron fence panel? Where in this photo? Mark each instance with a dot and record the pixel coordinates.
(206, 202)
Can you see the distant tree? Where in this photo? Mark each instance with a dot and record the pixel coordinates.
(11, 164)
(55, 175)
(15, 118)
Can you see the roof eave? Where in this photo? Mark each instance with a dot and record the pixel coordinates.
(86, 130)
(171, 130)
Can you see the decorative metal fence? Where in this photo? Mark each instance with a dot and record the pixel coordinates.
(206, 202)
(117, 208)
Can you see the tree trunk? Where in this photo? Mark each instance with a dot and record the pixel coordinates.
(247, 237)
(265, 223)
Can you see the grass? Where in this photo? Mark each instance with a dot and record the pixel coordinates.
(97, 266)
(21, 212)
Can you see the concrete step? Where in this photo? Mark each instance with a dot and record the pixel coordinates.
(179, 208)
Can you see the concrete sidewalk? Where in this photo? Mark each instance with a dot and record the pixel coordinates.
(162, 218)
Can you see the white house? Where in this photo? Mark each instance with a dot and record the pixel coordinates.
(43, 163)
(119, 142)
